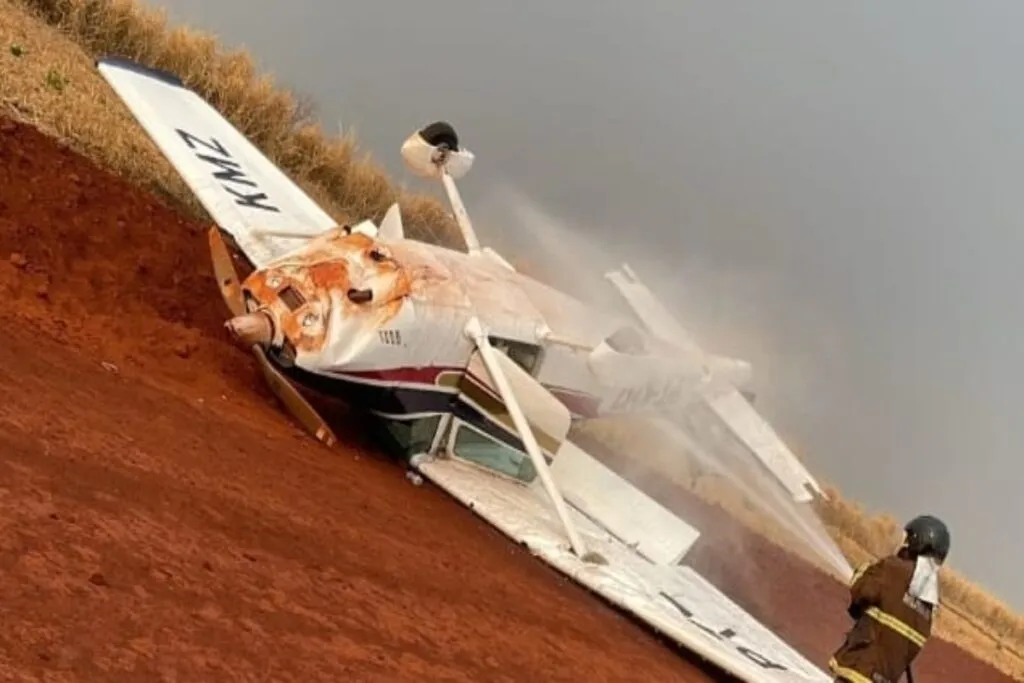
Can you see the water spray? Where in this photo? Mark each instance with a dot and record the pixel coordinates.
(543, 236)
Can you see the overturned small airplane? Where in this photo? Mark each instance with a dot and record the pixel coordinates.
(473, 371)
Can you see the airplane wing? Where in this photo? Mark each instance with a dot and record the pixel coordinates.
(726, 404)
(242, 190)
(600, 530)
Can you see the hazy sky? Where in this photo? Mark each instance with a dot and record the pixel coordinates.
(833, 187)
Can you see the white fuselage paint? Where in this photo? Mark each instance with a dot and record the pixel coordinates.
(424, 297)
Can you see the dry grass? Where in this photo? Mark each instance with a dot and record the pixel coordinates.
(47, 78)
(52, 83)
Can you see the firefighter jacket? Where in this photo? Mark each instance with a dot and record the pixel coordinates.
(891, 625)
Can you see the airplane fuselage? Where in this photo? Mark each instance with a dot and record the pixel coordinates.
(381, 324)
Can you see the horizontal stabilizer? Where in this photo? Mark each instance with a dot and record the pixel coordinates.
(650, 311)
(620, 507)
(724, 398)
(757, 435)
(239, 187)
(734, 371)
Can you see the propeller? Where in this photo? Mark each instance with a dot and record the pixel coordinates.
(231, 291)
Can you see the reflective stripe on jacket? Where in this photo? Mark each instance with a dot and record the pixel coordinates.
(891, 626)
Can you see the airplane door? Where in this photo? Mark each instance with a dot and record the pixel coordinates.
(482, 429)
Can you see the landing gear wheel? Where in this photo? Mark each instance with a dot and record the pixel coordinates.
(441, 134)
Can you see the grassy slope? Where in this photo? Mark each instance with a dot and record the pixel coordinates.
(47, 78)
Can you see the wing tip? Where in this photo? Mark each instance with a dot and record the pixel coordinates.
(141, 69)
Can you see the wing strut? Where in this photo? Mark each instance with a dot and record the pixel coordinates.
(475, 331)
(459, 209)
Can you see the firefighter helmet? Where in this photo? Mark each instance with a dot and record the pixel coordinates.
(928, 536)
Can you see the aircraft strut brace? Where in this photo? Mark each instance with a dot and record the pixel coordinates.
(475, 331)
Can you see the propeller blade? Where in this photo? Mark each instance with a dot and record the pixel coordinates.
(286, 393)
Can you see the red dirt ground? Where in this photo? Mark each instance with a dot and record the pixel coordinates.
(161, 518)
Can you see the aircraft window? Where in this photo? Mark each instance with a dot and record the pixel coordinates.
(522, 354)
(412, 436)
(487, 452)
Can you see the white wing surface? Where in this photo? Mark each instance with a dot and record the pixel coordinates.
(673, 599)
(242, 190)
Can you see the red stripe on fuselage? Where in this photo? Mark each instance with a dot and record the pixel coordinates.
(409, 375)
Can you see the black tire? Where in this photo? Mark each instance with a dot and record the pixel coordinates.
(441, 134)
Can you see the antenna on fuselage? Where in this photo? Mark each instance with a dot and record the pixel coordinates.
(434, 152)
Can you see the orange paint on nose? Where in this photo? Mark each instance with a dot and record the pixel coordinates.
(352, 273)
(257, 285)
(329, 275)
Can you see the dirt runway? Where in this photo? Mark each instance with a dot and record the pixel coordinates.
(162, 520)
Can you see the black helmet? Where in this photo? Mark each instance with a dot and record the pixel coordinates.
(928, 536)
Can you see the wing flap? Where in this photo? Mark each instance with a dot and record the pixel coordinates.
(624, 510)
(239, 187)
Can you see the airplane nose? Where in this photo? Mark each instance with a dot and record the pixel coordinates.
(251, 328)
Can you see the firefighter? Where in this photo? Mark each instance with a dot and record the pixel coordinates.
(893, 602)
